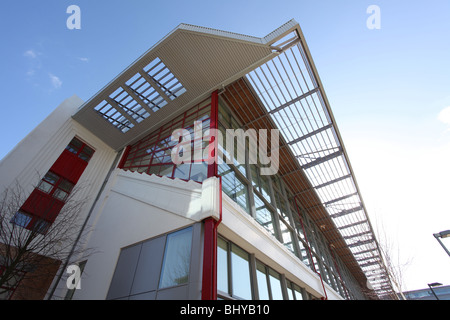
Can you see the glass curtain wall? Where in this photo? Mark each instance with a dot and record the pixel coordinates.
(154, 153)
(272, 205)
(241, 276)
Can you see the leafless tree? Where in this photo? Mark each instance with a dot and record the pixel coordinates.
(393, 260)
(32, 256)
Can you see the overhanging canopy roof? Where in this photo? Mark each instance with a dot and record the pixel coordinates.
(179, 71)
(286, 93)
(275, 79)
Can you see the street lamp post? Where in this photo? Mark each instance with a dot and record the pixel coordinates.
(434, 284)
(443, 234)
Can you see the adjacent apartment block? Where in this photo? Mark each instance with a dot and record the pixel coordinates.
(211, 168)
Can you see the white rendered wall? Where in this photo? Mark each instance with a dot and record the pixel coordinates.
(242, 229)
(30, 160)
(135, 207)
(32, 157)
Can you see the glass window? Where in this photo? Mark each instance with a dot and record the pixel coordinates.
(21, 219)
(222, 265)
(63, 190)
(74, 145)
(80, 149)
(176, 261)
(41, 226)
(298, 292)
(240, 270)
(55, 186)
(290, 291)
(286, 235)
(263, 215)
(275, 285)
(199, 171)
(182, 171)
(233, 186)
(260, 183)
(264, 188)
(48, 182)
(158, 146)
(262, 281)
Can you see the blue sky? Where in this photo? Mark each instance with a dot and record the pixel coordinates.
(386, 87)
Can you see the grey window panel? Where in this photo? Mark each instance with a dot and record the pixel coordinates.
(149, 267)
(124, 273)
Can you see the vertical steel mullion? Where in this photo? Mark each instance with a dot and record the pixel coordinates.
(276, 218)
(253, 277)
(154, 150)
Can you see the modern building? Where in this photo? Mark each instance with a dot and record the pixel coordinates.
(211, 168)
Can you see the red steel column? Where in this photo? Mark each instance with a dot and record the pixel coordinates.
(213, 124)
(209, 279)
(124, 157)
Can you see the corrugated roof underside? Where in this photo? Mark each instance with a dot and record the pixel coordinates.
(200, 62)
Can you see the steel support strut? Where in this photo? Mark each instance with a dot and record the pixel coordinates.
(209, 277)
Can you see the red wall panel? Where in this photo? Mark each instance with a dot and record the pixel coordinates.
(69, 166)
(42, 205)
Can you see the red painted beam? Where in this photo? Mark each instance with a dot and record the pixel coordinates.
(209, 280)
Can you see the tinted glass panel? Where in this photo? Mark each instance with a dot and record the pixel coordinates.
(275, 285)
(240, 273)
(222, 265)
(177, 258)
(262, 282)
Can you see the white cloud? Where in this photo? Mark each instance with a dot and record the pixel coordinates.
(444, 115)
(30, 54)
(84, 59)
(56, 82)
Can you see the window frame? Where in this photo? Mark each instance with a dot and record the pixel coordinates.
(82, 151)
(56, 186)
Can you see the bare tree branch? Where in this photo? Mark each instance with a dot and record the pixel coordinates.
(33, 256)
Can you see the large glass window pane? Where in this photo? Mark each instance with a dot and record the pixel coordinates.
(263, 215)
(240, 273)
(86, 154)
(177, 258)
(286, 235)
(182, 171)
(45, 186)
(222, 265)
(298, 292)
(233, 186)
(199, 171)
(261, 278)
(265, 188)
(48, 182)
(290, 291)
(21, 219)
(166, 170)
(255, 177)
(275, 285)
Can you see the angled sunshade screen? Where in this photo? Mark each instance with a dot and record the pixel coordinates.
(289, 91)
(149, 90)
